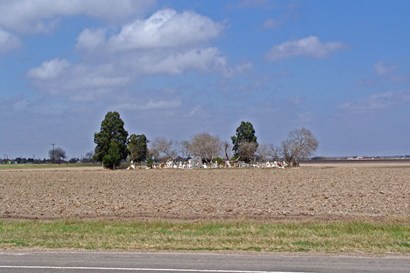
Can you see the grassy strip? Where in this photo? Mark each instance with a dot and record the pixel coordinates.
(336, 237)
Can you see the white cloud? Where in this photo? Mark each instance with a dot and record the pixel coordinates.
(79, 82)
(253, 4)
(310, 46)
(86, 79)
(90, 81)
(90, 39)
(391, 73)
(199, 59)
(49, 69)
(42, 15)
(8, 41)
(272, 23)
(150, 105)
(162, 104)
(167, 42)
(288, 12)
(382, 69)
(377, 101)
(164, 29)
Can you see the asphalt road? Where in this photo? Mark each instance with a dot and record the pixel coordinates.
(114, 262)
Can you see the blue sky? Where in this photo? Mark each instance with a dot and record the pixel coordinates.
(178, 68)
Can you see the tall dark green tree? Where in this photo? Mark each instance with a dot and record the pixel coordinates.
(137, 146)
(111, 141)
(244, 142)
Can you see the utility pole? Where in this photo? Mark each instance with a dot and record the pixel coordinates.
(52, 159)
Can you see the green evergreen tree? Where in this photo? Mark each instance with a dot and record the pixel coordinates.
(137, 146)
(244, 142)
(111, 141)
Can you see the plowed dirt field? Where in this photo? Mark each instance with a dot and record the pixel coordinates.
(325, 191)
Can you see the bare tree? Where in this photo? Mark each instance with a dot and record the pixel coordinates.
(206, 146)
(227, 147)
(300, 144)
(185, 148)
(247, 150)
(88, 157)
(161, 147)
(267, 152)
(57, 154)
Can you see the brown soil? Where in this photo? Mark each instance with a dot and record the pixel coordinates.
(312, 191)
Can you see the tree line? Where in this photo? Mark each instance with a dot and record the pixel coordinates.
(114, 145)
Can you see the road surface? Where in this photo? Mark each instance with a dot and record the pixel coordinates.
(114, 262)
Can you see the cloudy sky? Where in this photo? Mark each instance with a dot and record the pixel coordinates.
(178, 68)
